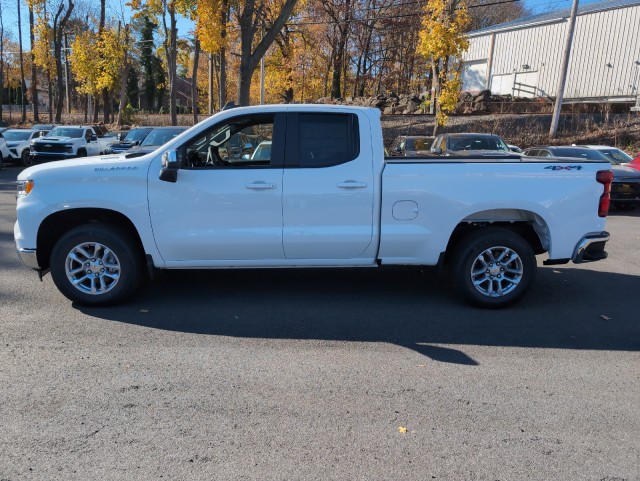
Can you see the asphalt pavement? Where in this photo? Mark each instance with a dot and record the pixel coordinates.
(371, 374)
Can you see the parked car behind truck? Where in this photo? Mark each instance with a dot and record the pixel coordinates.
(325, 197)
(65, 142)
(19, 143)
(470, 144)
(625, 187)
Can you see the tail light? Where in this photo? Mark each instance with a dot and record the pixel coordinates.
(604, 177)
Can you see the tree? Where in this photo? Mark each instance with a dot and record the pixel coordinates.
(34, 69)
(441, 40)
(132, 95)
(251, 19)
(151, 68)
(59, 23)
(1, 61)
(211, 31)
(23, 117)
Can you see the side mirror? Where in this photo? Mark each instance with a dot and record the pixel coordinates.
(436, 150)
(94, 137)
(170, 166)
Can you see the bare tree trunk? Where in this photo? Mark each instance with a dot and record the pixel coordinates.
(58, 31)
(435, 92)
(250, 20)
(171, 52)
(23, 118)
(194, 82)
(96, 108)
(124, 76)
(1, 63)
(34, 71)
(222, 83)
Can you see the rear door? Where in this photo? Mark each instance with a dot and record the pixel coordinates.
(328, 186)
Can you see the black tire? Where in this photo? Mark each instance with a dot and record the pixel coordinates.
(26, 158)
(82, 153)
(117, 272)
(481, 280)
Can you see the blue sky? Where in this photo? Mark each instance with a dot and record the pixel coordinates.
(9, 12)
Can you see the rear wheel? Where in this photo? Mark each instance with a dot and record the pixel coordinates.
(96, 265)
(493, 267)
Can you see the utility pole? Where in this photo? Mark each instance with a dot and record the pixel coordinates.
(563, 73)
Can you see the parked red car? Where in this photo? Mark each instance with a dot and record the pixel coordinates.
(635, 163)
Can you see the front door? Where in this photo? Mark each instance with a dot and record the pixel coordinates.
(225, 208)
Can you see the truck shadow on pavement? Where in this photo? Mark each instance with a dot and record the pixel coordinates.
(569, 308)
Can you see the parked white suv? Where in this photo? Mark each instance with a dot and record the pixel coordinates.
(4, 150)
(19, 143)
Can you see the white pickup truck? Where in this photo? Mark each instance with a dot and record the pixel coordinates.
(325, 196)
(66, 142)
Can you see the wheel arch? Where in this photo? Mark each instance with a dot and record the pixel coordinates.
(58, 223)
(529, 225)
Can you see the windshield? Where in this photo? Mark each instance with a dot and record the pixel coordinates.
(616, 156)
(136, 135)
(419, 143)
(478, 142)
(72, 132)
(262, 152)
(160, 136)
(583, 153)
(17, 135)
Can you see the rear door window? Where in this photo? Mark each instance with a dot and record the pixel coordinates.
(321, 139)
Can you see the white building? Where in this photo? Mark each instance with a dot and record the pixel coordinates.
(523, 57)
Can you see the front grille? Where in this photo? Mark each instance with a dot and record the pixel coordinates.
(49, 148)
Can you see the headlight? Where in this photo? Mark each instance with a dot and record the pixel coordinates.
(68, 148)
(24, 187)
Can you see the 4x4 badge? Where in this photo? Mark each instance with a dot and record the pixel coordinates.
(564, 167)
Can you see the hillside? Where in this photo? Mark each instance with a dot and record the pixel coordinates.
(621, 130)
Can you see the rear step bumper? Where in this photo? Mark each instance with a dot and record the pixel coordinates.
(591, 248)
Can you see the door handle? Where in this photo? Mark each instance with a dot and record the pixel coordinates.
(260, 186)
(352, 184)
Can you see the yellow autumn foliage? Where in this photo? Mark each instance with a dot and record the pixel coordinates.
(442, 39)
(97, 61)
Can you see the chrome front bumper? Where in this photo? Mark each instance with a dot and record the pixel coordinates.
(591, 248)
(29, 258)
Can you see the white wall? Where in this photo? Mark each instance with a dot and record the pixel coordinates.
(605, 60)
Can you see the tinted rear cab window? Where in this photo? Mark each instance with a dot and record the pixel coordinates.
(322, 140)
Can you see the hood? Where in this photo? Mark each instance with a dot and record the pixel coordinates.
(97, 164)
(623, 172)
(44, 140)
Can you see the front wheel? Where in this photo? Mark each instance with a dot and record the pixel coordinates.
(26, 158)
(96, 265)
(493, 267)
